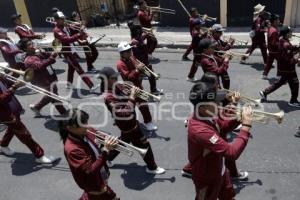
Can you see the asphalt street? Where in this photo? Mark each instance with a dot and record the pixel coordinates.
(272, 157)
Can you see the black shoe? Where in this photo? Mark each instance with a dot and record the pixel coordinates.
(294, 104)
(185, 58)
(298, 133)
(263, 96)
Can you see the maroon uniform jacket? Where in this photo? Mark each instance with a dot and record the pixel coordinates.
(207, 149)
(273, 39)
(41, 63)
(145, 18)
(127, 69)
(24, 31)
(213, 64)
(64, 36)
(122, 110)
(9, 50)
(85, 167)
(191, 25)
(286, 60)
(139, 49)
(221, 45)
(10, 107)
(259, 30)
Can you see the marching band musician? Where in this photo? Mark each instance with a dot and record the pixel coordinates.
(87, 161)
(23, 30)
(286, 68)
(123, 112)
(45, 77)
(91, 56)
(145, 17)
(9, 49)
(139, 50)
(273, 44)
(197, 36)
(216, 34)
(10, 111)
(194, 16)
(206, 148)
(258, 33)
(131, 72)
(211, 63)
(62, 34)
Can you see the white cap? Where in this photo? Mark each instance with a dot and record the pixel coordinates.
(124, 46)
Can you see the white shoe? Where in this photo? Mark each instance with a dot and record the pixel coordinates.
(242, 176)
(151, 127)
(158, 170)
(7, 151)
(238, 128)
(34, 110)
(186, 174)
(191, 79)
(45, 160)
(94, 88)
(109, 164)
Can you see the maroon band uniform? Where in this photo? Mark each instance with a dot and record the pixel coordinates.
(207, 152)
(123, 111)
(273, 44)
(88, 166)
(45, 77)
(63, 35)
(10, 111)
(24, 31)
(145, 18)
(9, 50)
(259, 39)
(128, 72)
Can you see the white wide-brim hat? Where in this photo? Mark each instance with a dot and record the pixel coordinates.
(258, 9)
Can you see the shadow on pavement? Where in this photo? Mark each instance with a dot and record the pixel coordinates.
(152, 134)
(24, 164)
(239, 185)
(59, 71)
(24, 91)
(52, 125)
(136, 178)
(283, 105)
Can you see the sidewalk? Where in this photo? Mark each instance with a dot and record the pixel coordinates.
(168, 37)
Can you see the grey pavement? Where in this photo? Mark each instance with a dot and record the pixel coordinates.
(272, 157)
(169, 37)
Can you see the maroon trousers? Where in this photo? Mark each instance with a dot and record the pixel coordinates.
(152, 80)
(188, 50)
(194, 68)
(46, 100)
(73, 66)
(292, 80)
(145, 111)
(151, 44)
(263, 48)
(272, 56)
(219, 189)
(137, 138)
(108, 195)
(91, 57)
(20, 131)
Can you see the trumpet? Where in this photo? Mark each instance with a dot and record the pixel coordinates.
(27, 74)
(142, 94)
(162, 10)
(145, 70)
(234, 54)
(245, 99)
(34, 87)
(259, 116)
(122, 146)
(241, 42)
(210, 19)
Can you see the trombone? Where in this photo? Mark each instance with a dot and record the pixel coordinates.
(233, 54)
(259, 116)
(245, 99)
(33, 87)
(241, 42)
(162, 10)
(142, 94)
(27, 74)
(145, 70)
(74, 25)
(57, 47)
(122, 146)
(148, 31)
(210, 19)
